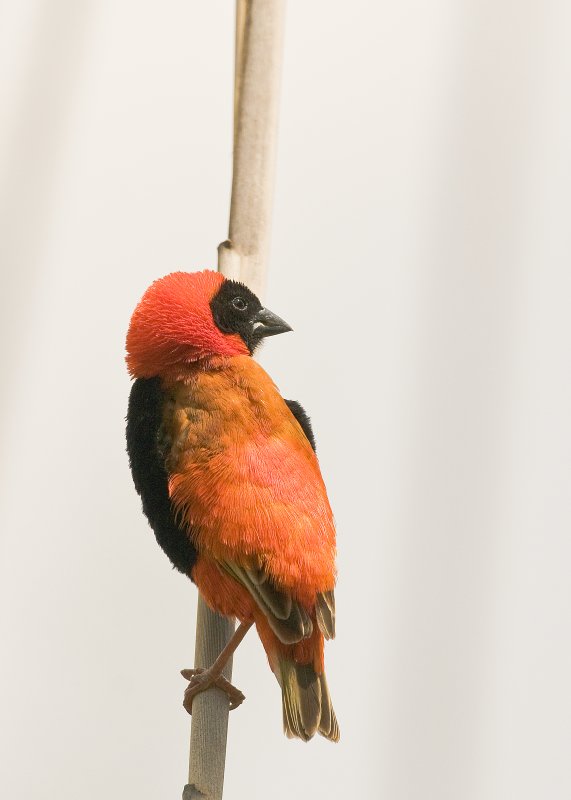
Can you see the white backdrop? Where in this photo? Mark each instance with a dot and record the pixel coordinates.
(421, 251)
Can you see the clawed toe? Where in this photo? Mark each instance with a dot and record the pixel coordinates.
(200, 680)
(235, 696)
(190, 674)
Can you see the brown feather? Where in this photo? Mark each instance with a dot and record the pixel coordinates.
(306, 702)
(289, 620)
(328, 725)
(325, 613)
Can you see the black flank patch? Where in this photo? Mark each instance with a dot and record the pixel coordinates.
(299, 413)
(144, 418)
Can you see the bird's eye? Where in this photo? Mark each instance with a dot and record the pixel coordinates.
(239, 304)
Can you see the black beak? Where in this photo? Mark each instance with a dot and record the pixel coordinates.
(267, 324)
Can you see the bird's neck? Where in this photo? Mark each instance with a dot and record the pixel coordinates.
(189, 371)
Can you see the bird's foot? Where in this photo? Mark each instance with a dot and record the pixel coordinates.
(202, 679)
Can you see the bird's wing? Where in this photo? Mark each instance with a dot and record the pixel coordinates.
(287, 618)
(325, 613)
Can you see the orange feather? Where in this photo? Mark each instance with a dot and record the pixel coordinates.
(259, 499)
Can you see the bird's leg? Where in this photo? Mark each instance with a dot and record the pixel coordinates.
(203, 679)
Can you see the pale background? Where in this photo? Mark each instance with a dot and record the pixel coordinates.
(422, 252)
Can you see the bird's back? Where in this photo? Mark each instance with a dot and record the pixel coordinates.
(244, 478)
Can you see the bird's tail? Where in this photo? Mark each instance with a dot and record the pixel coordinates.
(307, 707)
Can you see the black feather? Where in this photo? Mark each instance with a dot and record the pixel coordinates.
(144, 418)
(301, 416)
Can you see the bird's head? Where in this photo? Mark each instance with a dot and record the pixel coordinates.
(188, 316)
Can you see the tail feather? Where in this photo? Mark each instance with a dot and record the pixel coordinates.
(328, 725)
(306, 702)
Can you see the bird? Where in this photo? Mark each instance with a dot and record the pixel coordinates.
(230, 483)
